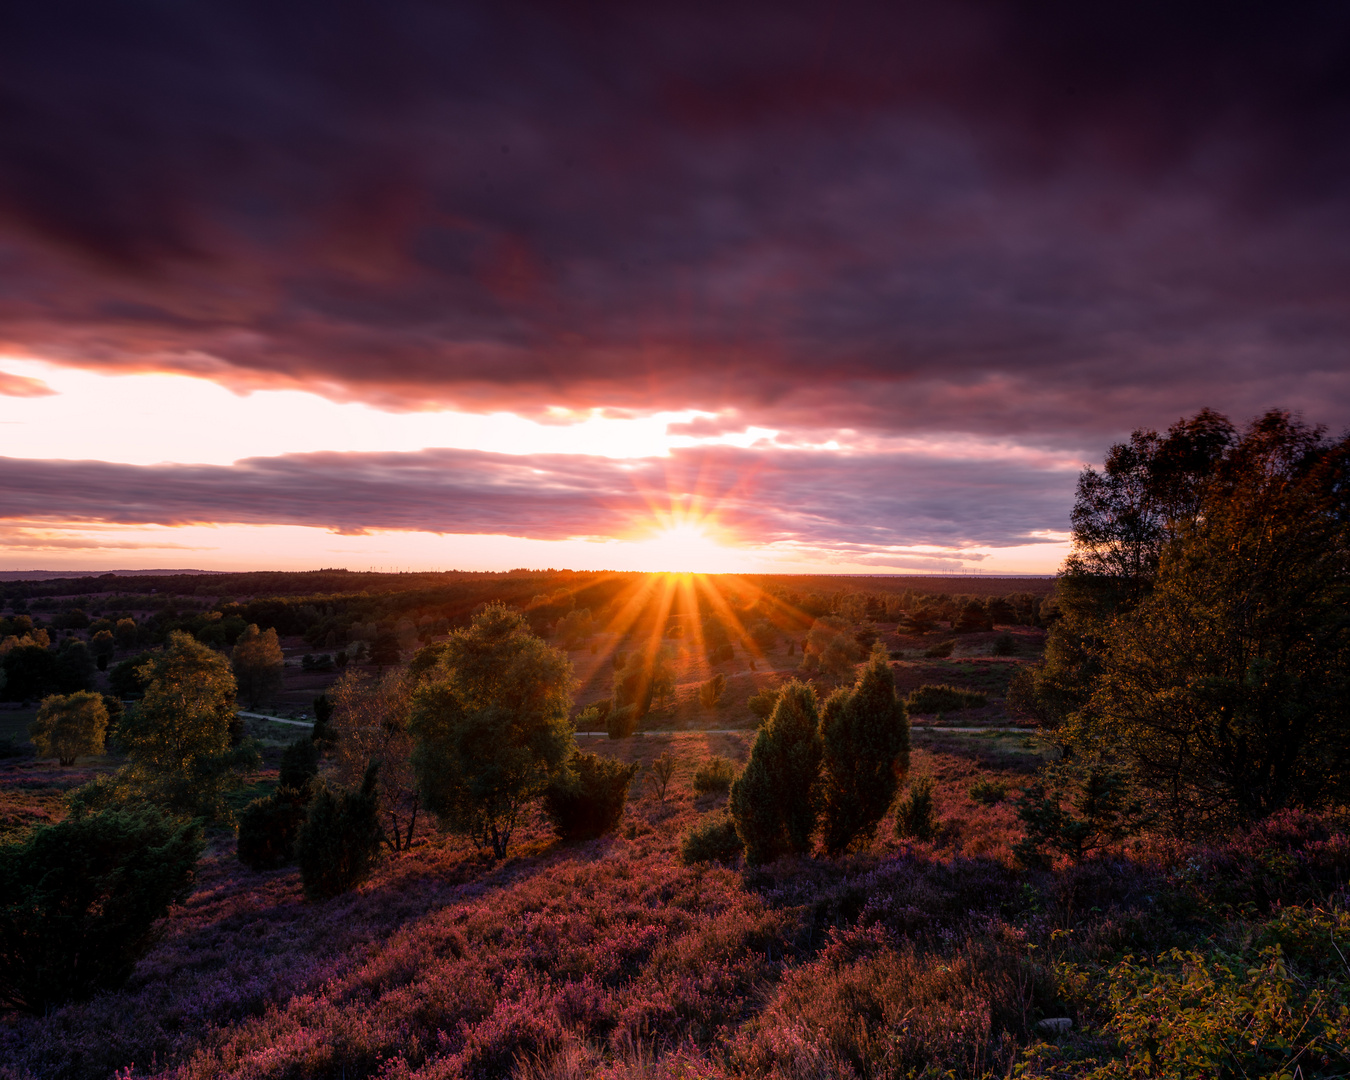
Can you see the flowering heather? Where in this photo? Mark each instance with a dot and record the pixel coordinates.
(610, 959)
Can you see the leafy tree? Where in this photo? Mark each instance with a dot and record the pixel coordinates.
(384, 650)
(71, 725)
(369, 726)
(974, 617)
(587, 799)
(775, 800)
(102, 645)
(866, 750)
(643, 677)
(339, 843)
(258, 665)
(1224, 689)
(574, 628)
(126, 634)
(490, 726)
(75, 666)
(178, 736)
(710, 692)
(831, 647)
(80, 900)
(30, 671)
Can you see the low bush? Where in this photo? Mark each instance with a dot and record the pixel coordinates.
(268, 828)
(299, 764)
(340, 840)
(931, 698)
(589, 799)
(714, 774)
(714, 839)
(1073, 809)
(915, 814)
(761, 703)
(710, 693)
(79, 902)
(988, 792)
(940, 650)
(621, 722)
(1005, 645)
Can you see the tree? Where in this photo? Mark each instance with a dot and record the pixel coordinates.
(258, 664)
(80, 902)
(574, 628)
(71, 725)
(490, 726)
(587, 799)
(385, 649)
(710, 692)
(75, 666)
(369, 725)
(1224, 689)
(865, 732)
(126, 634)
(830, 646)
(125, 679)
(339, 843)
(30, 671)
(178, 735)
(102, 645)
(774, 801)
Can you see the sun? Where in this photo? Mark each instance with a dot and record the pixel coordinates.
(684, 547)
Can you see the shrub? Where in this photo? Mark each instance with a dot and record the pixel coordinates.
(714, 839)
(710, 693)
(79, 901)
(714, 774)
(1005, 645)
(930, 698)
(621, 722)
(1099, 811)
(70, 725)
(340, 840)
(915, 817)
(722, 653)
(866, 740)
(662, 770)
(774, 801)
(299, 764)
(589, 799)
(761, 703)
(940, 650)
(268, 829)
(322, 734)
(988, 792)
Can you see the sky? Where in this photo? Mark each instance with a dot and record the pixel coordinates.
(780, 287)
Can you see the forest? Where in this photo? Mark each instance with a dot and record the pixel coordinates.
(548, 824)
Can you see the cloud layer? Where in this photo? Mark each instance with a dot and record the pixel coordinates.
(814, 499)
(1045, 220)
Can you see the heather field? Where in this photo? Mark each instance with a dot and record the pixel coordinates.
(610, 958)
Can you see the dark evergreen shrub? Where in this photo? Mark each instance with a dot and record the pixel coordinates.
(323, 712)
(762, 702)
(340, 839)
(1005, 645)
(621, 722)
(866, 739)
(714, 839)
(589, 800)
(79, 901)
(988, 792)
(299, 764)
(915, 816)
(935, 699)
(268, 828)
(714, 774)
(710, 692)
(774, 801)
(940, 650)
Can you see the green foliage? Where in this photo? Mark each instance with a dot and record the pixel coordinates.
(866, 750)
(761, 703)
(177, 737)
(940, 651)
(322, 735)
(931, 698)
(988, 792)
(1073, 809)
(1260, 1009)
(574, 628)
(75, 667)
(831, 647)
(30, 671)
(258, 665)
(714, 839)
(491, 727)
(70, 725)
(1005, 645)
(339, 843)
(299, 764)
(125, 678)
(714, 774)
(710, 693)
(269, 826)
(974, 617)
(79, 901)
(644, 676)
(588, 799)
(621, 721)
(915, 814)
(774, 801)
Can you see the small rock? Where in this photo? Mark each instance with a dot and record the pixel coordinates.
(1055, 1025)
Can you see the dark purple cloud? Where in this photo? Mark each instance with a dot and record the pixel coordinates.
(861, 502)
(1044, 219)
